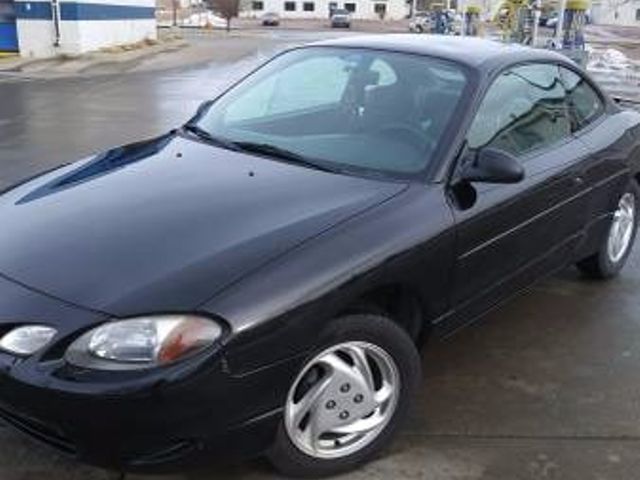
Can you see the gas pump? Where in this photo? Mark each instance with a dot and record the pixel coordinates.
(472, 21)
(440, 19)
(570, 30)
(575, 19)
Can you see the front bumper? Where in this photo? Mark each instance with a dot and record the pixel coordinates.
(135, 424)
(155, 420)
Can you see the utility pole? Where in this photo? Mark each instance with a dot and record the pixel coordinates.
(175, 12)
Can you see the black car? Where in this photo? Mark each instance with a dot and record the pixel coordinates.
(261, 279)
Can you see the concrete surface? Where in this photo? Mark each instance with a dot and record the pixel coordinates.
(171, 51)
(547, 387)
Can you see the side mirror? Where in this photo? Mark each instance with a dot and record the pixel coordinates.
(493, 166)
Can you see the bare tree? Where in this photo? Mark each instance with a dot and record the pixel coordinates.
(227, 9)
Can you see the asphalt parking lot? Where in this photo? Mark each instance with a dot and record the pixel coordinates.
(547, 387)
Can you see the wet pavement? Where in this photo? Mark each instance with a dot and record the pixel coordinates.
(547, 387)
(44, 123)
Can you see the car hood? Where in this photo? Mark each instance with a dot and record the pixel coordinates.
(164, 225)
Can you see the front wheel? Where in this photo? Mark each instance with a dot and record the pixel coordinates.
(348, 399)
(616, 247)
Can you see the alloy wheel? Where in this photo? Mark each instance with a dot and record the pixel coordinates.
(342, 400)
(621, 232)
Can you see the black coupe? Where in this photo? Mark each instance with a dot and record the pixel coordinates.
(260, 280)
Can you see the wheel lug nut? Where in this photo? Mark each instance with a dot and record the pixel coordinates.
(345, 388)
(330, 405)
(344, 415)
(358, 398)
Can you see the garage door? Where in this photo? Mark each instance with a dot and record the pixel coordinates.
(8, 32)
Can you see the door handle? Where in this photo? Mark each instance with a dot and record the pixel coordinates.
(578, 181)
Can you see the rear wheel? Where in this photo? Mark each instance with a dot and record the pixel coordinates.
(348, 399)
(616, 247)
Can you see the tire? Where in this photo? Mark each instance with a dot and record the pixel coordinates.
(387, 346)
(607, 262)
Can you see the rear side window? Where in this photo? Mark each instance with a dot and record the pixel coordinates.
(585, 105)
(524, 110)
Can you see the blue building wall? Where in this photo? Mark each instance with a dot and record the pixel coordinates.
(46, 28)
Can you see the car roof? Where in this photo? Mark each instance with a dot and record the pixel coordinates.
(475, 52)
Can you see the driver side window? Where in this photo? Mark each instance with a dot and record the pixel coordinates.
(524, 110)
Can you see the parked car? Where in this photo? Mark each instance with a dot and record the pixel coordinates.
(340, 18)
(552, 20)
(262, 278)
(422, 22)
(543, 18)
(271, 19)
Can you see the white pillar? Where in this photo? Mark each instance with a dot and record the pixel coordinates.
(536, 22)
(560, 27)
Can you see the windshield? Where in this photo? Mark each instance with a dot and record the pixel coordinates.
(342, 108)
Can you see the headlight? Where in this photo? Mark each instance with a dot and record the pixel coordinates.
(27, 340)
(143, 342)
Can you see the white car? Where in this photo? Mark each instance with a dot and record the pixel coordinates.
(421, 22)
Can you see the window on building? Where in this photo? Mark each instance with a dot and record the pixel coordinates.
(535, 117)
(257, 6)
(350, 7)
(380, 9)
(7, 12)
(638, 15)
(309, 6)
(289, 6)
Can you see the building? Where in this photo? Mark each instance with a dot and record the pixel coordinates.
(360, 9)
(47, 28)
(616, 12)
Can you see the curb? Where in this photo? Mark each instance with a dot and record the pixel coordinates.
(51, 67)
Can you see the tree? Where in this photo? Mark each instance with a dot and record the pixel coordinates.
(227, 9)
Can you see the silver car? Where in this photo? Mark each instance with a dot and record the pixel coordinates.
(422, 22)
(341, 18)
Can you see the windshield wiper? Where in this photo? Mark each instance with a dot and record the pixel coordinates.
(202, 134)
(254, 147)
(282, 154)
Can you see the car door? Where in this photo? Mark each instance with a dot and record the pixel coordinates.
(605, 135)
(510, 235)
